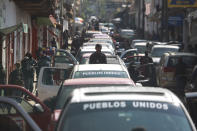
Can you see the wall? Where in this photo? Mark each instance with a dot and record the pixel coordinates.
(16, 43)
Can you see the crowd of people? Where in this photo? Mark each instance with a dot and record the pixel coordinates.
(24, 72)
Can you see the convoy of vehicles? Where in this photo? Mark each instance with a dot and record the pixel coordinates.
(125, 109)
(72, 94)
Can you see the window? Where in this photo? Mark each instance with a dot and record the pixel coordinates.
(53, 76)
(124, 116)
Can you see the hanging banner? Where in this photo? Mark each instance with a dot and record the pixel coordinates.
(182, 3)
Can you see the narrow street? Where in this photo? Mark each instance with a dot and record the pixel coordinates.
(98, 65)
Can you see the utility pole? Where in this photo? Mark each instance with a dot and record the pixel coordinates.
(74, 15)
(164, 33)
(61, 22)
(143, 17)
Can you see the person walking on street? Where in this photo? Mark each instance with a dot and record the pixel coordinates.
(2, 75)
(75, 45)
(66, 37)
(146, 59)
(181, 79)
(53, 43)
(15, 76)
(43, 61)
(28, 64)
(146, 67)
(98, 57)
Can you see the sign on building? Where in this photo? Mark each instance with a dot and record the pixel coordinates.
(175, 21)
(182, 3)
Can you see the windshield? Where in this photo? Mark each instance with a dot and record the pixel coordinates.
(190, 61)
(101, 40)
(158, 52)
(89, 74)
(124, 116)
(127, 32)
(140, 48)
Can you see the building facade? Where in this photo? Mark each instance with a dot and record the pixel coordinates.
(20, 31)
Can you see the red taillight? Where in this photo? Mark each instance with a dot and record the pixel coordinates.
(168, 69)
(56, 115)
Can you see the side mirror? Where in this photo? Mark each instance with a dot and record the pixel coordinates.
(117, 46)
(124, 59)
(38, 108)
(70, 65)
(138, 84)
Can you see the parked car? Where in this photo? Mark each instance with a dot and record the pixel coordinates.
(93, 44)
(137, 41)
(71, 84)
(124, 109)
(127, 34)
(82, 51)
(166, 68)
(39, 112)
(84, 59)
(150, 44)
(49, 81)
(90, 33)
(101, 36)
(101, 40)
(99, 70)
(105, 30)
(134, 60)
(14, 118)
(128, 53)
(141, 47)
(111, 59)
(158, 50)
(191, 99)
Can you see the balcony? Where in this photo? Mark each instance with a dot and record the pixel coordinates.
(37, 7)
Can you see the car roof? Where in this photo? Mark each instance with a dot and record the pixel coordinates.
(87, 55)
(140, 43)
(139, 40)
(100, 39)
(130, 50)
(127, 30)
(22, 89)
(111, 59)
(99, 67)
(93, 32)
(180, 54)
(91, 48)
(94, 43)
(100, 81)
(101, 35)
(117, 93)
(165, 46)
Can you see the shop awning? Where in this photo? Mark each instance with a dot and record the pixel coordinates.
(10, 29)
(43, 21)
(53, 20)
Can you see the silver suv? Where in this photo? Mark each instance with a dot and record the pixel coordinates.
(124, 109)
(166, 68)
